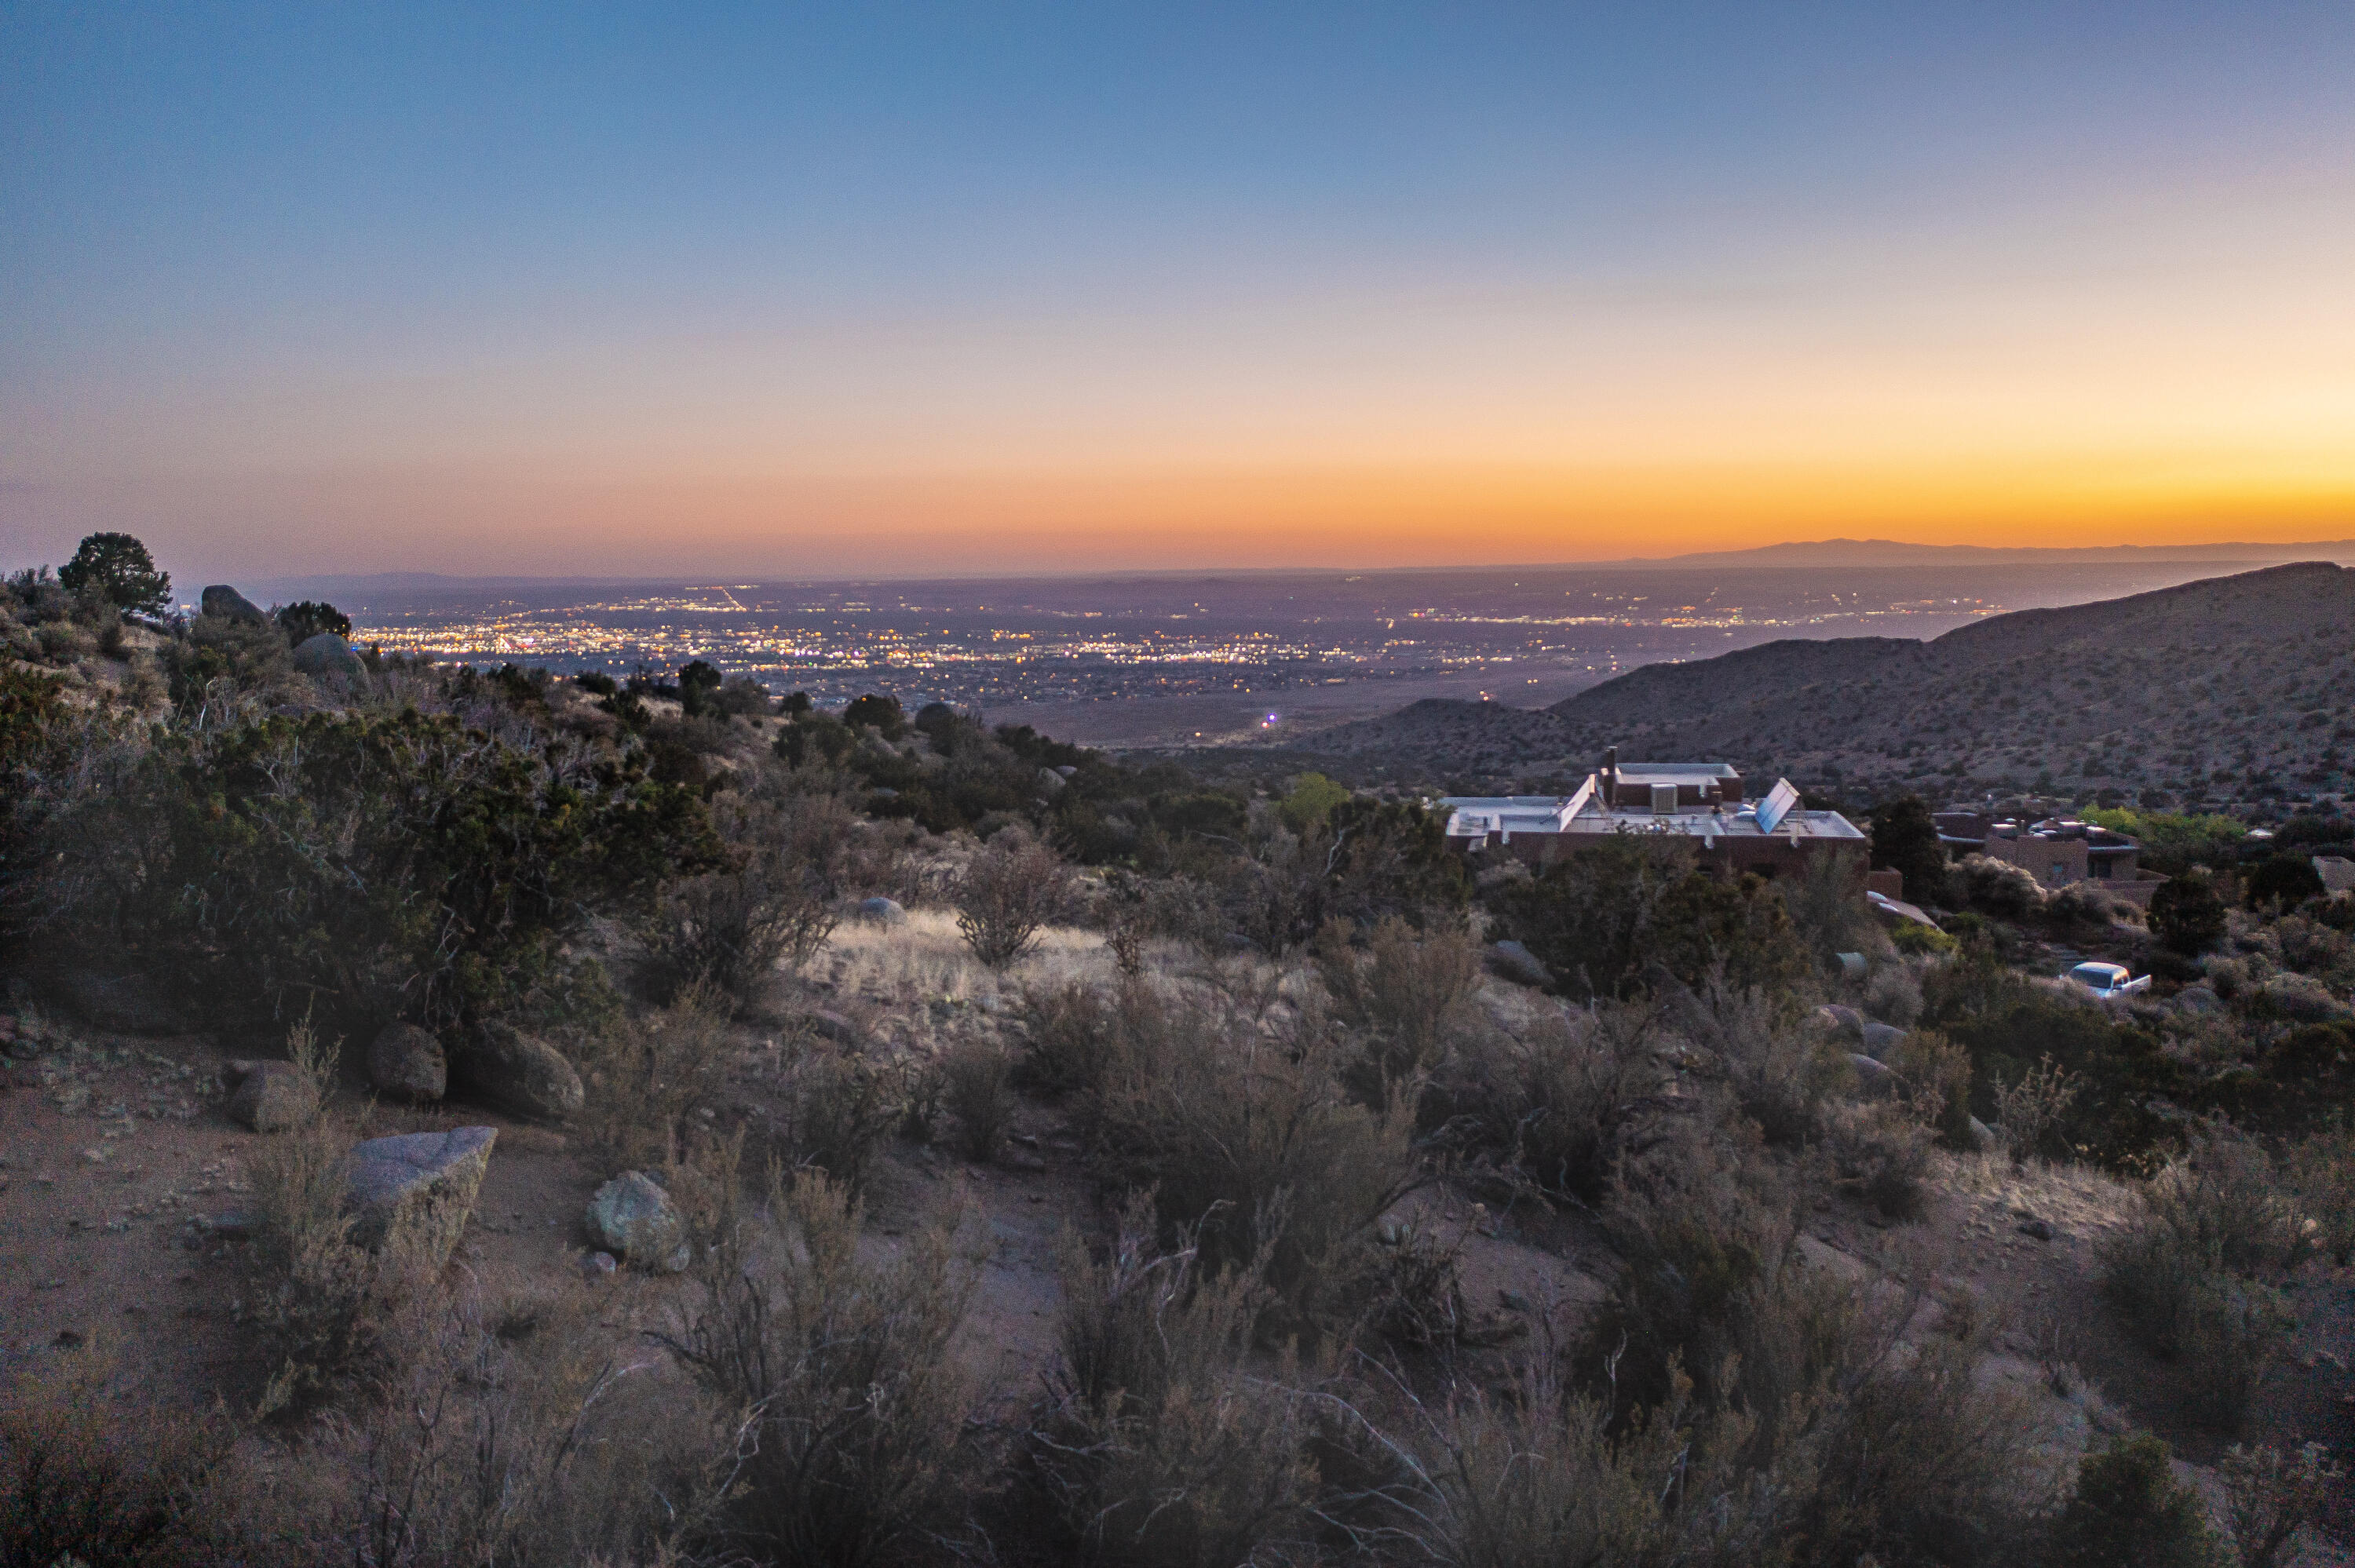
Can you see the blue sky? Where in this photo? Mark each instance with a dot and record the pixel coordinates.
(388, 287)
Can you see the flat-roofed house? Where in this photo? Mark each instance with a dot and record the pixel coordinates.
(1702, 803)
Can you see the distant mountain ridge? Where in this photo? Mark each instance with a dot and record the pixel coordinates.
(1832, 553)
(2227, 687)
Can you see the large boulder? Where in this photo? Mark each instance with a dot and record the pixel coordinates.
(405, 1062)
(1843, 1019)
(634, 1218)
(224, 600)
(517, 1072)
(327, 655)
(1879, 1039)
(1514, 962)
(417, 1190)
(270, 1097)
(1876, 1079)
(882, 912)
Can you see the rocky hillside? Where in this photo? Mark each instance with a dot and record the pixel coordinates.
(2229, 688)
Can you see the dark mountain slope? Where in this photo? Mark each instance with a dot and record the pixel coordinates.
(2227, 688)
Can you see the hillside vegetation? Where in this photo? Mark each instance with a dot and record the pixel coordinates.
(2230, 688)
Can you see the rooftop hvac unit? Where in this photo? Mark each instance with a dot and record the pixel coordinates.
(1663, 800)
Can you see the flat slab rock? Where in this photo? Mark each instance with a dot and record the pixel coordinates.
(418, 1189)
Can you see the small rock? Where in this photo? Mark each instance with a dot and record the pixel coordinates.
(518, 1073)
(1514, 962)
(2040, 1230)
(632, 1216)
(1983, 1138)
(224, 600)
(1022, 1159)
(405, 1062)
(71, 1338)
(232, 1224)
(597, 1265)
(417, 1188)
(1880, 1039)
(272, 1097)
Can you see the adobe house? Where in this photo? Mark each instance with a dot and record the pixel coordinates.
(1703, 803)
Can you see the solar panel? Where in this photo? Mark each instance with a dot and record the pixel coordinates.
(1776, 805)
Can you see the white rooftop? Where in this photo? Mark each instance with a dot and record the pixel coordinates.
(1776, 816)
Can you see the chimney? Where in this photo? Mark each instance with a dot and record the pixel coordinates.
(1611, 776)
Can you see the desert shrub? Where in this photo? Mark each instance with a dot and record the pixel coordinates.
(306, 618)
(1879, 1154)
(523, 1431)
(323, 1300)
(1069, 1033)
(2031, 1109)
(2271, 1495)
(1533, 1474)
(389, 865)
(1366, 861)
(1780, 1072)
(2186, 914)
(855, 1402)
(1937, 1073)
(2081, 906)
(733, 928)
(2129, 1511)
(1407, 998)
(1158, 1442)
(2320, 1173)
(1921, 942)
(1559, 1102)
(834, 1112)
(2182, 1276)
(1711, 1281)
(1825, 909)
(1249, 1134)
(2285, 880)
(90, 1478)
(1013, 888)
(1893, 995)
(1995, 887)
(644, 1075)
(1905, 840)
(1633, 913)
(976, 1077)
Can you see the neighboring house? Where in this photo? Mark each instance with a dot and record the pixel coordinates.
(2060, 851)
(1702, 803)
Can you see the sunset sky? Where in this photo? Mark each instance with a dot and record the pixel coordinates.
(792, 290)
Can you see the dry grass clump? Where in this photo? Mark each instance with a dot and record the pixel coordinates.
(1069, 1035)
(1780, 1073)
(1407, 997)
(853, 1403)
(835, 1110)
(2187, 1277)
(1157, 1443)
(88, 1478)
(1880, 1155)
(1243, 1127)
(523, 1432)
(324, 1300)
(977, 1089)
(1559, 1101)
(1013, 889)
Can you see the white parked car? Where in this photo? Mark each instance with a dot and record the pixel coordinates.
(2107, 980)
